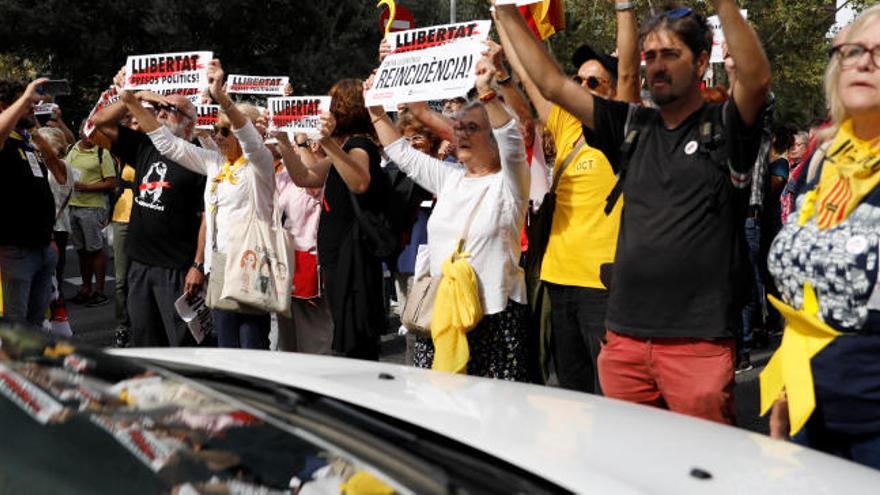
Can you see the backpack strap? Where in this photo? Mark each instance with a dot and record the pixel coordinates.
(579, 145)
(636, 121)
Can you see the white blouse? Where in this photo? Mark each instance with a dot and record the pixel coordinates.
(494, 238)
(227, 200)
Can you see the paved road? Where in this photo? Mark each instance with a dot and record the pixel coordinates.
(96, 326)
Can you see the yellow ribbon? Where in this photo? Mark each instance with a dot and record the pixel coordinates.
(392, 11)
(457, 310)
(364, 483)
(789, 369)
(227, 174)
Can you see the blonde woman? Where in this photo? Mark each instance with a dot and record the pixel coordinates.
(825, 264)
(242, 169)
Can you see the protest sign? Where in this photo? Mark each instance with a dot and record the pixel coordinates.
(197, 315)
(430, 63)
(45, 109)
(207, 116)
(717, 55)
(107, 98)
(256, 85)
(297, 114)
(167, 71)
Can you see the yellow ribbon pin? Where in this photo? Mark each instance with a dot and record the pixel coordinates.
(392, 10)
(789, 369)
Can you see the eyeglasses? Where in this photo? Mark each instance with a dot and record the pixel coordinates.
(222, 130)
(593, 82)
(851, 53)
(415, 137)
(467, 128)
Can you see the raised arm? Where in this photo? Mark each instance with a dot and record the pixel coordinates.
(24, 104)
(752, 66)
(438, 123)
(513, 97)
(544, 71)
(353, 166)
(311, 176)
(169, 145)
(628, 54)
(107, 120)
(541, 104)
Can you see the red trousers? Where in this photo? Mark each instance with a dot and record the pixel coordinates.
(689, 376)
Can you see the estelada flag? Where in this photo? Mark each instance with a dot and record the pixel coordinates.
(545, 18)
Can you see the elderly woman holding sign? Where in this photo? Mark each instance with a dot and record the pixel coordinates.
(240, 178)
(479, 214)
(356, 201)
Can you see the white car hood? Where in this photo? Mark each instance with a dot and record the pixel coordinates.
(581, 442)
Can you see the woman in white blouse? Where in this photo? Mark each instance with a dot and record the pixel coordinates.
(239, 172)
(493, 154)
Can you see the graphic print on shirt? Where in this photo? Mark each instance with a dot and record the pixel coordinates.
(841, 263)
(152, 186)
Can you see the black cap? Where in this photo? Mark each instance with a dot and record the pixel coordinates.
(585, 53)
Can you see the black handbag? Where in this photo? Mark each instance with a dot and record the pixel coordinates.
(376, 232)
(538, 229)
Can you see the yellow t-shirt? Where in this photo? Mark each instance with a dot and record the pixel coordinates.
(582, 237)
(122, 211)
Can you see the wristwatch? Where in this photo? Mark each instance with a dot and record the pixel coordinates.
(621, 7)
(304, 144)
(504, 80)
(199, 266)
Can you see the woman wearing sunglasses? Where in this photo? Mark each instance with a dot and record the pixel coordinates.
(491, 149)
(241, 171)
(825, 264)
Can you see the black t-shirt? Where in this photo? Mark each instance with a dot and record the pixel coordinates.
(338, 216)
(27, 208)
(673, 271)
(168, 202)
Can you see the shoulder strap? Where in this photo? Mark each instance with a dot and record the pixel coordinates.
(470, 219)
(635, 122)
(816, 160)
(579, 145)
(63, 206)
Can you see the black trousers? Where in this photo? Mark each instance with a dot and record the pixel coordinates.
(577, 316)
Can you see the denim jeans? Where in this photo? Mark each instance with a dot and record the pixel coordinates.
(240, 330)
(26, 276)
(753, 313)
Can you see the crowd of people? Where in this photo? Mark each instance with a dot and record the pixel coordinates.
(637, 229)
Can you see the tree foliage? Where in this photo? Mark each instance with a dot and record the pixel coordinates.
(321, 41)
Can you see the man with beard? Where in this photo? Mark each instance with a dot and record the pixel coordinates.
(27, 259)
(164, 229)
(671, 315)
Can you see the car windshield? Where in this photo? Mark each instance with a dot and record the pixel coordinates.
(85, 422)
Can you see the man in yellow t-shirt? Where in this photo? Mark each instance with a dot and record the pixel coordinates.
(582, 237)
(88, 216)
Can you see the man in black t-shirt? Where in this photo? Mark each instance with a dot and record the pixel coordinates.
(27, 208)
(671, 312)
(163, 233)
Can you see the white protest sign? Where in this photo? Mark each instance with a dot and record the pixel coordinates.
(107, 98)
(207, 116)
(297, 114)
(432, 63)
(256, 85)
(717, 55)
(167, 71)
(45, 109)
(197, 315)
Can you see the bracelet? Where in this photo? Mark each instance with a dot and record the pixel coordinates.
(504, 80)
(304, 144)
(199, 266)
(377, 119)
(488, 96)
(623, 7)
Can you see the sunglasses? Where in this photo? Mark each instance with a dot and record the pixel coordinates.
(593, 82)
(678, 13)
(172, 109)
(222, 130)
